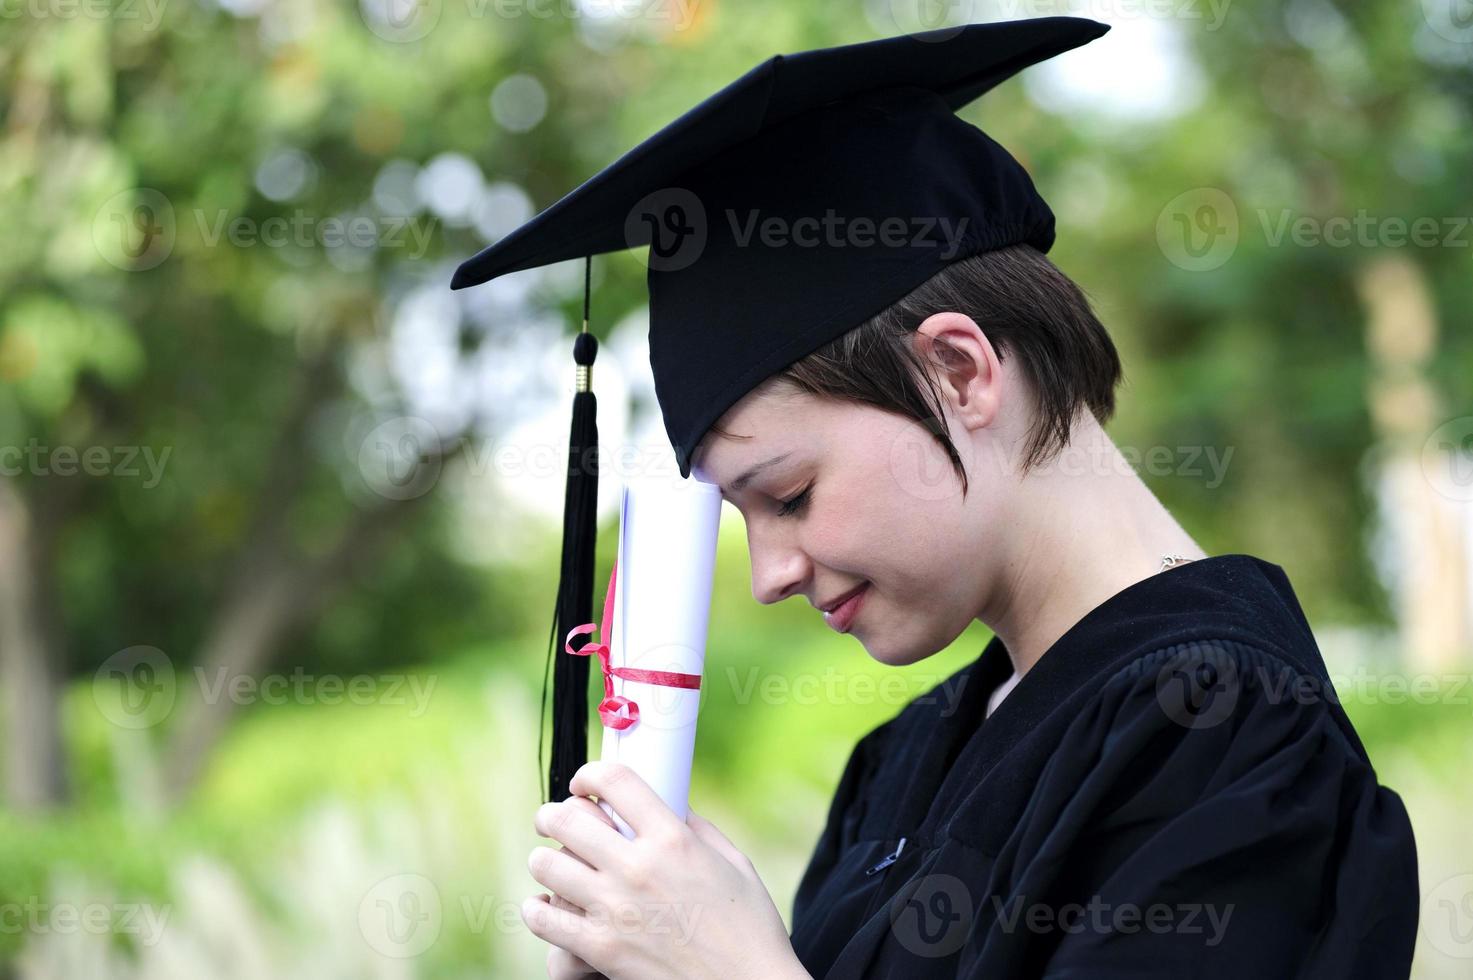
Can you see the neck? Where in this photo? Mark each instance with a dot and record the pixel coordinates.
(1086, 527)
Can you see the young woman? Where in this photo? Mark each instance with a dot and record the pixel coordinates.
(1145, 773)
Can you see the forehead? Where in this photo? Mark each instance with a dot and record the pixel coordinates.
(760, 431)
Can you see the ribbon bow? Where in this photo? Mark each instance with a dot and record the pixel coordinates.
(611, 710)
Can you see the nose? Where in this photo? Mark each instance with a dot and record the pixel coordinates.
(779, 566)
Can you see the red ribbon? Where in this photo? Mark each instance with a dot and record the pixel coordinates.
(609, 708)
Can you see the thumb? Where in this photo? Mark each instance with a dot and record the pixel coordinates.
(707, 831)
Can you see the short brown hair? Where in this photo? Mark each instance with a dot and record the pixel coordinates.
(1023, 303)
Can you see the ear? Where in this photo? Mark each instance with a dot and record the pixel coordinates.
(965, 364)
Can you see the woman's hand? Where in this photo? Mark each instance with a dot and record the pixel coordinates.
(561, 964)
(679, 901)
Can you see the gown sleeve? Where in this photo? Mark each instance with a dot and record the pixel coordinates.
(1210, 813)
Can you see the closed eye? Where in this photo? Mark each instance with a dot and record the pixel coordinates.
(795, 504)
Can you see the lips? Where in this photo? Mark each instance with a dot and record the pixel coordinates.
(831, 606)
(841, 616)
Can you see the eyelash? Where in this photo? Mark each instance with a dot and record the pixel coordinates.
(795, 504)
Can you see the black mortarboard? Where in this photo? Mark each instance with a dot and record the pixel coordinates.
(781, 212)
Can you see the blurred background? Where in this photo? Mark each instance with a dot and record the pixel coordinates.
(279, 512)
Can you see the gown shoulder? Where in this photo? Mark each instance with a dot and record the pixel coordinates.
(1206, 813)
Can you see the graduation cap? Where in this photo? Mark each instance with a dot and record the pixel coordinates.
(781, 212)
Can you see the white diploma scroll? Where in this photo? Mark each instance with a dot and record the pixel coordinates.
(662, 603)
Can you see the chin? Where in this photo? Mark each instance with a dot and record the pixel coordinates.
(901, 661)
(904, 651)
(893, 654)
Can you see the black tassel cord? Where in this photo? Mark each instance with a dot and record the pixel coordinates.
(575, 579)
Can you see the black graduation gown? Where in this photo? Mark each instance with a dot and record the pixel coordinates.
(1171, 791)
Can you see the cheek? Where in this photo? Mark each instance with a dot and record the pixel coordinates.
(841, 533)
(872, 528)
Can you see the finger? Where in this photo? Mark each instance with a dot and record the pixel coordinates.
(558, 902)
(555, 925)
(630, 796)
(708, 832)
(565, 850)
(595, 842)
(588, 806)
(564, 874)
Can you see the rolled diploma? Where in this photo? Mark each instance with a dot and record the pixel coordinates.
(667, 554)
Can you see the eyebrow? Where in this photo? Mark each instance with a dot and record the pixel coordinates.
(741, 482)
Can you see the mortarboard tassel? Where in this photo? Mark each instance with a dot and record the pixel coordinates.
(575, 581)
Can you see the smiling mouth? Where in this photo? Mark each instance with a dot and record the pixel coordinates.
(836, 603)
(841, 616)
